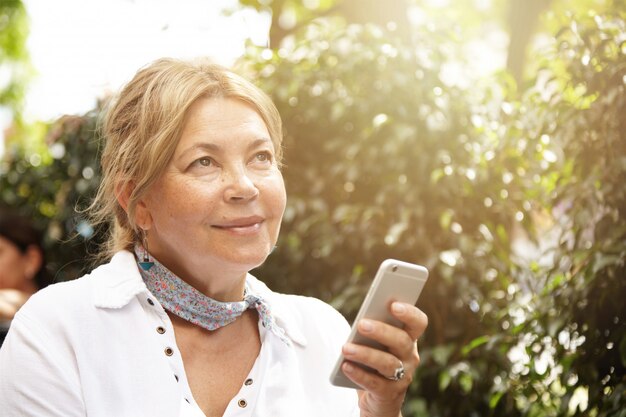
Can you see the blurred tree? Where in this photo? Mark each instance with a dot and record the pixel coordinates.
(51, 184)
(575, 326)
(376, 174)
(469, 19)
(14, 61)
(289, 16)
(522, 21)
(383, 160)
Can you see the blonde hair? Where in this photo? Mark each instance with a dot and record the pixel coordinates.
(142, 127)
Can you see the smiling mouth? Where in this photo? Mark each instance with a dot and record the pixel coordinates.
(241, 226)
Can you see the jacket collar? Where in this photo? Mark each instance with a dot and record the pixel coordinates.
(119, 281)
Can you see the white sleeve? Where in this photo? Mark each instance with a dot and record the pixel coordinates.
(38, 375)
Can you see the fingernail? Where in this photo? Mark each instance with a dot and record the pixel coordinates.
(349, 349)
(347, 367)
(367, 326)
(398, 308)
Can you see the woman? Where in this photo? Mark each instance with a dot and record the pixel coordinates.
(22, 265)
(192, 187)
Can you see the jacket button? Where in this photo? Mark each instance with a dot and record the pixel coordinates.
(160, 330)
(242, 403)
(150, 301)
(169, 351)
(249, 381)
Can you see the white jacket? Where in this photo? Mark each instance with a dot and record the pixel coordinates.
(91, 347)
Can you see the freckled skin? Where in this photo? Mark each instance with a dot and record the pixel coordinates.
(215, 212)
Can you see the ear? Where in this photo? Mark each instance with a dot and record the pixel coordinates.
(34, 260)
(142, 215)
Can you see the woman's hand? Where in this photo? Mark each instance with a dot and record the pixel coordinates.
(382, 396)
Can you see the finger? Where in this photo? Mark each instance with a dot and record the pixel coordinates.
(373, 382)
(397, 341)
(380, 361)
(414, 319)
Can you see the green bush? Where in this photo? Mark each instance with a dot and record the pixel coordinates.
(384, 160)
(577, 313)
(53, 185)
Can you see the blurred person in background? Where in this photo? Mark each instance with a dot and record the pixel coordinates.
(174, 324)
(22, 265)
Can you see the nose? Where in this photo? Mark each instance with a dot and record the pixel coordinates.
(240, 187)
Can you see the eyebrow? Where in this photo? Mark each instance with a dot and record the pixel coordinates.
(216, 148)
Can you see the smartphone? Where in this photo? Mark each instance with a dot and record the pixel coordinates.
(394, 281)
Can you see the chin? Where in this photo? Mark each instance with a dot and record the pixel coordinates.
(249, 260)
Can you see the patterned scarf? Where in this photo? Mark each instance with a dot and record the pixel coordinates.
(180, 298)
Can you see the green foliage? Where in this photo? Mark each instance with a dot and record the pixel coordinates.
(51, 184)
(13, 53)
(578, 312)
(384, 159)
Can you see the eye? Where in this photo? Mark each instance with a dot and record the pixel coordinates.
(204, 162)
(264, 156)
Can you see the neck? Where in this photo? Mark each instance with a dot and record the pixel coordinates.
(221, 284)
(219, 280)
(223, 289)
(28, 286)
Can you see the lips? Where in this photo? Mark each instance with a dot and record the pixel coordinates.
(241, 225)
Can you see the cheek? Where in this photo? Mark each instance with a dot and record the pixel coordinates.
(183, 201)
(11, 268)
(277, 194)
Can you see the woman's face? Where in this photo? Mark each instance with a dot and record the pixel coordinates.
(13, 265)
(218, 205)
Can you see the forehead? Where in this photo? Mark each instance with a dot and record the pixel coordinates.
(221, 119)
(6, 244)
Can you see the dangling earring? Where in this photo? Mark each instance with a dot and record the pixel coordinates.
(146, 264)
